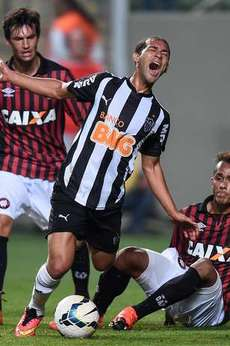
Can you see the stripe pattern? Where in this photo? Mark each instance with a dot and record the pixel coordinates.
(32, 126)
(213, 243)
(102, 157)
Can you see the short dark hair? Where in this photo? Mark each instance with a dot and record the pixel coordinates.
(141, 45)
(223, 156)
(19, 17)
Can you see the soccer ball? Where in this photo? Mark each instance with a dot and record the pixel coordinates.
(76, 317)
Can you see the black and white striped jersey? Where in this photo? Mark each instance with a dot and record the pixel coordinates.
(120, 123)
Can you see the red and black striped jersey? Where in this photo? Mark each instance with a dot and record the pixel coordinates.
(213, 243)
(120, 123)
(32, 126)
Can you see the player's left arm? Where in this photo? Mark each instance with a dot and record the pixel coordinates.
(151, 150)
(155, 177)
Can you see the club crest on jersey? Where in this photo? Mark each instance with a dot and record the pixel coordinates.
(113, 139)
(84, 82)
(4, 203)
(8, 92)
(149, 122)
(201, 226)
(23, 118)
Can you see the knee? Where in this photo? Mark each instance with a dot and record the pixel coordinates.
(126, 257)
(205, 269)
(58, 266)
(127, 251)
(5, 225)
(132, 260)
(103, 262)
(102, 265)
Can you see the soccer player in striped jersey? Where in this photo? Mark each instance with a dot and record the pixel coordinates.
(125, 118)
(31, 135)
(191, 279)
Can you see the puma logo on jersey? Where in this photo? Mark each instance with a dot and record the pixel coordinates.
(213, 252)
(113, 139)
(106, 100)
(23, 118)
(65, 217)
(84, 82)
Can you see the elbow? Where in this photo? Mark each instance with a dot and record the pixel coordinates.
(148, 171)
(57, 91)
(147, 168)
(57, 94)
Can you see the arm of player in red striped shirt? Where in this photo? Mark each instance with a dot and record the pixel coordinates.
(44, 86)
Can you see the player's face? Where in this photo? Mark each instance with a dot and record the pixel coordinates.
(221, 184)
(153, 60)
(23, 41)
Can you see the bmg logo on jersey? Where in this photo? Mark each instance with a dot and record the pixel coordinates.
(113, 139)
(23, 118)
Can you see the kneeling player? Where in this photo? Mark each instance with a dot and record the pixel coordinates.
(192, 295)
(194, 290)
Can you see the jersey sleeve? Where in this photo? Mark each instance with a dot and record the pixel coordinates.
(76, 110)
(85, 89)
(155, 143)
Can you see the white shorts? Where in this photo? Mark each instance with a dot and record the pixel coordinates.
(21, 195)
(205, 307)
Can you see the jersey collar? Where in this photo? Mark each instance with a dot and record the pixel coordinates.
(203, 206)
(134, 89)
(41, 70)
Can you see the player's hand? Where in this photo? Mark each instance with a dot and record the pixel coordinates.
(4, 71)
(190, 228)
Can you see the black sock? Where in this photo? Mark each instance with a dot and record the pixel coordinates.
(80, 271)
(3, 260)
(110, 285)
(171, 292)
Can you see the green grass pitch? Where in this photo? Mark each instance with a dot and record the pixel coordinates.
(26, 254)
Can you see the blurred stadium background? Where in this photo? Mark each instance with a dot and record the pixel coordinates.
(196, 87)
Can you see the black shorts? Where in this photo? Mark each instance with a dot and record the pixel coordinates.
(100, 228)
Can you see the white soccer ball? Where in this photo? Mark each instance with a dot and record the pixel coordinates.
(76, 317)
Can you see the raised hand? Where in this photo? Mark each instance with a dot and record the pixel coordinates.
(190, 228)
(4, 71)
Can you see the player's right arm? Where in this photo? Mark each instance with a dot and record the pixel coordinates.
(44, 86)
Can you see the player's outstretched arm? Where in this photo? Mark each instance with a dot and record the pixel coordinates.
(44, 86)
(156, 180)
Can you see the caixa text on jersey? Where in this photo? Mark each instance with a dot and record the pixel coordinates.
(23, 118)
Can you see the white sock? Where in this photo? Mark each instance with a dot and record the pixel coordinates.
(43, 287)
